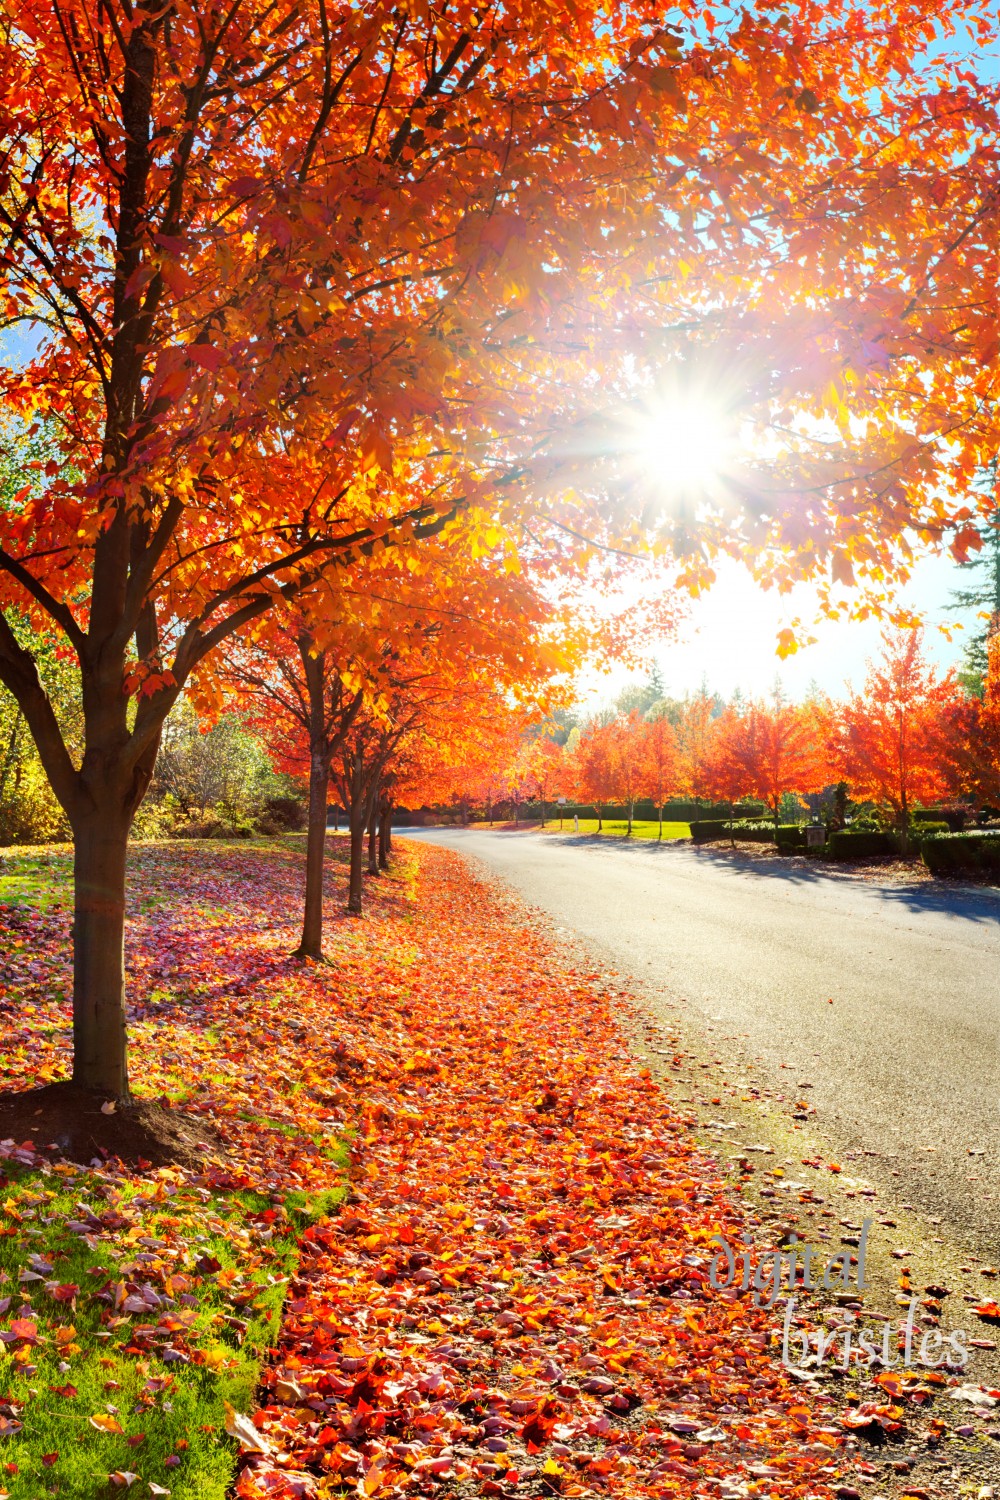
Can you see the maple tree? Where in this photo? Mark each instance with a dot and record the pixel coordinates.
(694, 738)
(895, 740)
(307, 709)
(391, 658)
(629, 764)
(769, 749)
(595, 758)
(302, 274)
(727, 775)
(661, 761)
(548, 769)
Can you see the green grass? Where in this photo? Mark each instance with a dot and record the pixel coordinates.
(618, 828)
(39, 882)
(219, 1265)
(92, 1385)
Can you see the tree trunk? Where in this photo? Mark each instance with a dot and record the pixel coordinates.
(12, 746)
(600, 818)
(631, 812)
(99, 1045)
(357, 868)
(314, 670)
(311, 945)
(373, 868)
(357, 816)
(659, 836)
(384, 834)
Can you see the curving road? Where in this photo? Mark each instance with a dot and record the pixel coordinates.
(903, 1064)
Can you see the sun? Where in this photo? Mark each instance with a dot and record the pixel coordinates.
(680, 444)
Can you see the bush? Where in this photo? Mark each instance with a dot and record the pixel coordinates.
(709, 830)
(850, 843)
(29, 812)
(953, 818)
(923, 830)
(791, 838)
(955, 853)
(282, 815)
(158, 820)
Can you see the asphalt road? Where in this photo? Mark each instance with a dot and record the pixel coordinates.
(903, 1064)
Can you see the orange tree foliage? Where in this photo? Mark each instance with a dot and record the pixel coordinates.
(313, 281)
(768, 750)
(694, 743)
(661, 761)
(896, 740)
(595, 757)
(726, 776)
(630, 769)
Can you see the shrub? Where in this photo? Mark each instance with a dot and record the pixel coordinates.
(923, 830)
(791, 838)
(158, 820)
(282, 815)
(850, 843)
(709, 830)
(954, 853)
(29, 812)
(953, 818)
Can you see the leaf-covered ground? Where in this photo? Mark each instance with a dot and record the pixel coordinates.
(513, 1298)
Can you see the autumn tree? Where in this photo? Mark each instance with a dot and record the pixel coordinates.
(595, 758)
(630, 773)
(214, 219)
(694, 742)
(548, 767)
(311, 281)
(728, 770)
(660, 758)
(768, 750)
(895, 741)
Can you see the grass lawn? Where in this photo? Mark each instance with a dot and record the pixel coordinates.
(138, 1304)
(618, 829)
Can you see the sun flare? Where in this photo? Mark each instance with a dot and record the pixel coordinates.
(682, 444)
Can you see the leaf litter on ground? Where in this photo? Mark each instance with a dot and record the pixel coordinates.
(513, 1298)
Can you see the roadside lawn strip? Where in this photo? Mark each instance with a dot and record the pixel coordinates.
(513, 1298)
(611, 827)
(137, 1308)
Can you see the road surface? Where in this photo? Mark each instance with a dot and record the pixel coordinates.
(903, 1064)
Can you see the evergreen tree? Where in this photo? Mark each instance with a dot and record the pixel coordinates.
(982, 592)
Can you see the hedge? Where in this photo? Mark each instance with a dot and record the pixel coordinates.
(707, 830)
(925, 830)
(950, 853)
(953, 818)
(847, 843)
(791, 837)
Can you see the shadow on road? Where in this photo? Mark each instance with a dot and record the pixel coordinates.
(979, 904)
